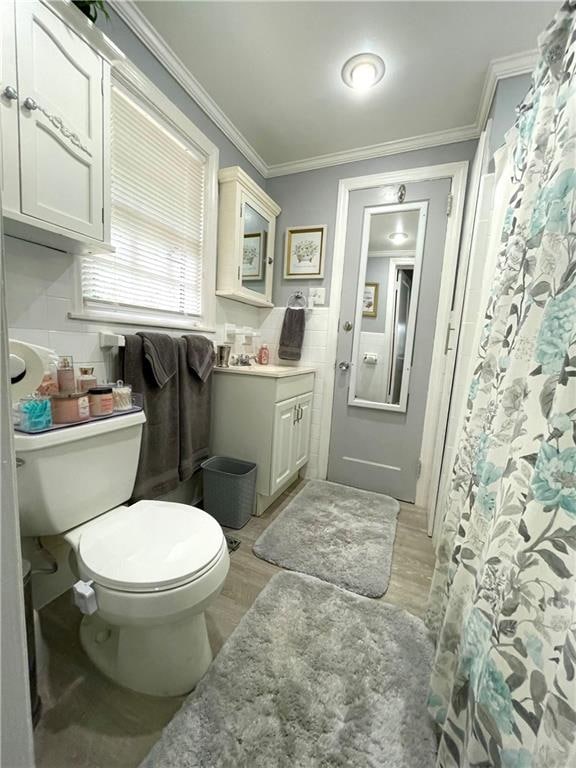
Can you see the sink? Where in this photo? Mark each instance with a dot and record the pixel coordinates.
(274, 371)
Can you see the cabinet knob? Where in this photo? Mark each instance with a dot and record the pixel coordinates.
(270, 261)
(10, 93)
(344, 365)
(30, 104)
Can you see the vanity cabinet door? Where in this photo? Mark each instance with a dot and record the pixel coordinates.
(302, 430)
(283, 443)
(9, 161)
(60, 84)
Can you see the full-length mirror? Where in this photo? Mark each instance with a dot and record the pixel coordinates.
(254, 259)
(392, 243)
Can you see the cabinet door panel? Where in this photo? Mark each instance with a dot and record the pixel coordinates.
(302, 431)
(61, 153)
(10, 177)
(283, 443)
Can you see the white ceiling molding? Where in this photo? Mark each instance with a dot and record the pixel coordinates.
(396, 147)
(138, 23)
(498, 69)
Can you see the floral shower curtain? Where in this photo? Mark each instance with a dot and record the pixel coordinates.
(503, 603)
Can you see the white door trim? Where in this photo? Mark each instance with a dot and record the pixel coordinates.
(457, 172)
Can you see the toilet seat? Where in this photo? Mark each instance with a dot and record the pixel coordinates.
(150, 546)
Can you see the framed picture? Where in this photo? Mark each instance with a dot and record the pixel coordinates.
(304, 253)
(370, 300)
(252, 256)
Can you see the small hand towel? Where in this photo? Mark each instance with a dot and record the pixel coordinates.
(292, 334)
(200, 355)
(194, 394)
(160, 450)
(161, 352)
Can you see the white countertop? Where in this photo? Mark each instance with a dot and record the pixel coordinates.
(274, 371)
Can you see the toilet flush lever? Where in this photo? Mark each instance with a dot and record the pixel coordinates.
(85, 597)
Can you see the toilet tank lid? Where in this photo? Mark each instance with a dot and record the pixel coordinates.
(25, 443)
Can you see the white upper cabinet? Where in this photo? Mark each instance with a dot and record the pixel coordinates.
(246, 231)
(55, 104)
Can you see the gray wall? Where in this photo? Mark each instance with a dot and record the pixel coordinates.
(139, 55)
(310, 198)
(508, 95)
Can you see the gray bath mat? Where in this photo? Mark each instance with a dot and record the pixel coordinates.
(340, 534)
(313, 677)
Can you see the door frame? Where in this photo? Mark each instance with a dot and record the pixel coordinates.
(433, 431)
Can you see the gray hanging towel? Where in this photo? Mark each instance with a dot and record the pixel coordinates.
(200, 355)
(195, 393)
(292, 334)
(160, 451)
(162, 355)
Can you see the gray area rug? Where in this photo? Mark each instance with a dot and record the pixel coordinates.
(313, 677)
(337, 533)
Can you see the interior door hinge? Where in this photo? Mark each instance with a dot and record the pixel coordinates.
(449, 202)
(419, 468)
(102, 215)
(240, 210)
(238, 273)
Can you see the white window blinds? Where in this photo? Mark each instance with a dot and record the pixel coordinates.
(157, 220)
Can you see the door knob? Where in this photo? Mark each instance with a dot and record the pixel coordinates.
(347, 325)
(10, 93)
(29, 104)
(344, 365)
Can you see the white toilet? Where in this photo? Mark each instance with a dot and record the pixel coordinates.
(147, 571)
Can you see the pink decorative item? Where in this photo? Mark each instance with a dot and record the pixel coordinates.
(69, 407)
(65, 374)
(264, 355)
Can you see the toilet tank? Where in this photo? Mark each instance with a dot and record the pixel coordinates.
(69, 476)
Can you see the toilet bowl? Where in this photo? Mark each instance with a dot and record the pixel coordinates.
(153, 568)
(146, 572)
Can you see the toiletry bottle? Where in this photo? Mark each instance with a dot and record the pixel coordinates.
(86, 380)
(264, 355)
(66, 378)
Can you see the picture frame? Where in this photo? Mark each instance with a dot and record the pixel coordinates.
(304, 249)
(253, 256)
(370, 300)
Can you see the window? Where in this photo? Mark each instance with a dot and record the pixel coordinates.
(162, 219)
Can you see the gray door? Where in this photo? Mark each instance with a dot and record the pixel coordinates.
(391, 284)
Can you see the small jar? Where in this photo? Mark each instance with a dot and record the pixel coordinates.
(122, 395)
(35, 413)
(69, 407)
(86, 380)
(65, 373)
(101, 400)
(264, 355)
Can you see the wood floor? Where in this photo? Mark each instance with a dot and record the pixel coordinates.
(88, 722)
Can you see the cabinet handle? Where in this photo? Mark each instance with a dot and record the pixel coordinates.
(57, 122)
(10, 93)
(299, 413)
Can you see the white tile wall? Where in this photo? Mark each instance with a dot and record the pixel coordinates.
(40, 292)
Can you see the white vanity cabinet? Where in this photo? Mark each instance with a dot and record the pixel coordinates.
(246, 232)
(55, 90)
(264, 416)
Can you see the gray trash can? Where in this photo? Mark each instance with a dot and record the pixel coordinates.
(229, 490)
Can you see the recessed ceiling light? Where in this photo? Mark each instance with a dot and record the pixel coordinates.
(363, 71)
(398, 237)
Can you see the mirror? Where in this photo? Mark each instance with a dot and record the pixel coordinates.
(392, 244)
(254, 257)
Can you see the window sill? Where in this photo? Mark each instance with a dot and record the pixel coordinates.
(146, 320)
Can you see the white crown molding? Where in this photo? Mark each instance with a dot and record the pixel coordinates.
(498, 69)
(395, 147)
(139, 24)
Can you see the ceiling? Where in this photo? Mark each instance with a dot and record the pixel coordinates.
(383, 224)
(273, 68)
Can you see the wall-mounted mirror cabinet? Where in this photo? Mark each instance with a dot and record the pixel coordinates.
(246, 231)
(387, 305)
